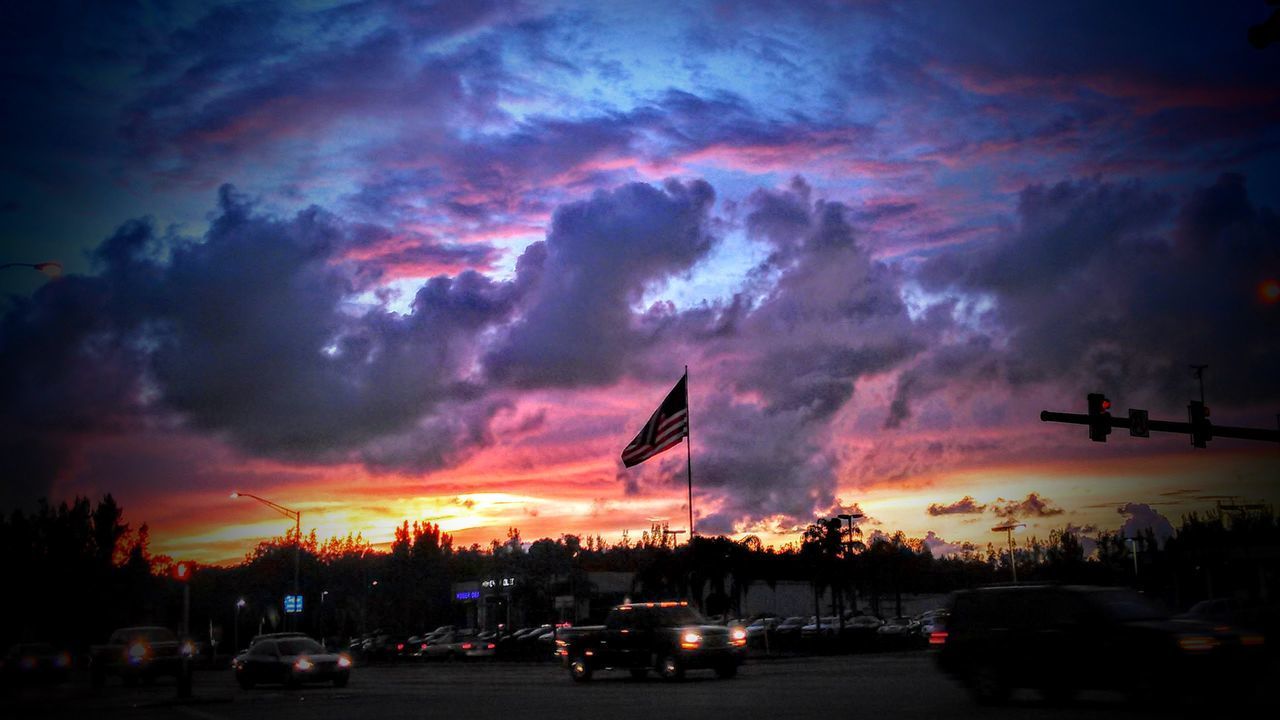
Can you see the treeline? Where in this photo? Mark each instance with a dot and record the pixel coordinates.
(79, 570)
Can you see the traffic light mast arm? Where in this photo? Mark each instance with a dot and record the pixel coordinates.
(1241, 433)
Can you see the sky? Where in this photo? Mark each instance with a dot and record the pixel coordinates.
(386, 261)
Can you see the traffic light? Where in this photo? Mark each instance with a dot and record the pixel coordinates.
(182, 571)
(1201, 428)
(1099, 417)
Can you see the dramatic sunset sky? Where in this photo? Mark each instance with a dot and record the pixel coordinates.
(380, 261)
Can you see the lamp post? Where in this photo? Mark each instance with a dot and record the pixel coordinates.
(1008, 528)
(239, 606)
(849, 518)
(297, 533)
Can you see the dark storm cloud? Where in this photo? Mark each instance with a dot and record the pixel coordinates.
(964, 506)
(248, 334)
(833, 314)
(1033, 505)
(1115, 286)
(600, 255)
(829, 316)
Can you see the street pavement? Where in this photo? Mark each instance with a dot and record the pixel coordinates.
(889, 685)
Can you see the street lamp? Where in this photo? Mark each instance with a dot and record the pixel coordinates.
(297, 530)
(52, 268)
(849, 518)
(239, 605)
(1008, 528)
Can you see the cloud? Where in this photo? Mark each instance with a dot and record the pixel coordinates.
(1031, 506)
(576, 326)
(939, 547)
(247, 333)
(1117, 286)
(964, 506)
(1140, 518)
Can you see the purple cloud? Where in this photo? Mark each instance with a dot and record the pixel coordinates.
(964, 506)
(1033, 505)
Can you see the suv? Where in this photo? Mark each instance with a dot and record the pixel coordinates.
(1060, 639)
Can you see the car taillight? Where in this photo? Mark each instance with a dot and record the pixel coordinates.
(938, 637)
(1197, 643)
(466, 646)
(423, 646)
(399, 647)
(490, 646)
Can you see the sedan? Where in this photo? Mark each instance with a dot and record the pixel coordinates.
(291, 661)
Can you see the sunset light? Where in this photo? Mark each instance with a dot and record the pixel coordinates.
(492, 316)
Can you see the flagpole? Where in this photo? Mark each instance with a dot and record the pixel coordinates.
(688, 447)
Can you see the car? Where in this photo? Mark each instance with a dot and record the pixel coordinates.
(139, 653)
(897, 631)
(1059, 639)
(291, 661)
(34, 663)
(667, 637)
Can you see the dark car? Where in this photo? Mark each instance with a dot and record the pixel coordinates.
(1061, 639)
(291, 661)
(31, 663)
(139, 653)
(667, 637)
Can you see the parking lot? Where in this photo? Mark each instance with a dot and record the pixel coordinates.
(900, 684)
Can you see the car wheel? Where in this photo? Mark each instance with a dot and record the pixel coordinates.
(724, 671)
(245, 682)
(639, 673)
(670, 668)
(988, 685)
(579, 670)
(129, 680)
(341, 681)
(98, 678)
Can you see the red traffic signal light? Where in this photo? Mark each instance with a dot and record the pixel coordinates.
(1099, 417)
(182, 571)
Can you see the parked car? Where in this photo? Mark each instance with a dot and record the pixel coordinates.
(34, 663)
(291, 661)
(788, 631)
(897, 631)
(1061, 639)
(666, 637)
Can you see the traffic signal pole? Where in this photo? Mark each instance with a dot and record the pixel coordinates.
(1173, 426)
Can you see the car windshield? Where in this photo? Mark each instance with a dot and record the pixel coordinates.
(1127, 606)
(300, 646)
(153, 635)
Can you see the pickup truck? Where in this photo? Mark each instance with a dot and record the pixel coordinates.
(666, 637)
(138, 653)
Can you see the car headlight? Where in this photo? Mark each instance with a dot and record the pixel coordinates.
(188, 648)
(63, 660)
(690, 639)
(344, 661)
(303, 665)
(738, 636)
(137, 652)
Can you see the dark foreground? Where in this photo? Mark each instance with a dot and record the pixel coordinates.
(893, 685)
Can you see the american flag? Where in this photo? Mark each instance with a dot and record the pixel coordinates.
(668, 424)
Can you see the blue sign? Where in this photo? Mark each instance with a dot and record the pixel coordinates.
(293, 604)
(468, 595)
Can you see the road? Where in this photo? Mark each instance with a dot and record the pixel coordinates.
(890, 685)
